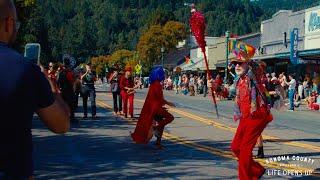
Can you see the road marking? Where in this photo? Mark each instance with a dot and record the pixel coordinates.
(231, 129)
(212, 150)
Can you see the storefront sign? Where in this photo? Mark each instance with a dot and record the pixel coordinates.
(314, 22)
(312, 28)
(294, 46)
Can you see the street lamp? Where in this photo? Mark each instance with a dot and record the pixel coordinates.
(162, 51)
(227, 56)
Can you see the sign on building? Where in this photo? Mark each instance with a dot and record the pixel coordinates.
(312, 28)
(294, 46)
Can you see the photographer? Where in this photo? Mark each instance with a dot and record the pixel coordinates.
(25, 92)
(88, 89)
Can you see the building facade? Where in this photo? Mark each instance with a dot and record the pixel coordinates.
(290, 42)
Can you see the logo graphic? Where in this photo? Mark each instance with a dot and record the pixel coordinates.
(293, 165)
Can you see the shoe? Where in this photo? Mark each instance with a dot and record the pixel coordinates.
(85, 117)
(260, 154)
(290, 110)
(94, 117)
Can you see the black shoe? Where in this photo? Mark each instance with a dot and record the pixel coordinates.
(260, 154)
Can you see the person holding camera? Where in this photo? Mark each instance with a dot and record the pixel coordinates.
(115, 90)
(26, 91)
(88, 90)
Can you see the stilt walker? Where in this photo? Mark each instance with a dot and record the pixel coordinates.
(154, 116)
(251, 108)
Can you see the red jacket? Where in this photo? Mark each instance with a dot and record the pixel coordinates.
(244, 102)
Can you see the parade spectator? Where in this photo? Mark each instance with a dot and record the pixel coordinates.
(176, 84)
(26, 91)
(291, 91)
(196, 86)
(300, 91)
(65, 81)
(209, 84)
(88, 90)
(179, 82)
(273, 77)
(127, 92)
(168, 83)
(185, 85)
(283, 80)
(53, 75)
(314, 86)
(115, 90)
(200, 85)
(191, 85)
(219, 80)
(312, 101)
(77, 87)
(306, 87)
(205, 86)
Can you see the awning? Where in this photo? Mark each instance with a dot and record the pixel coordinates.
(221, 65)
(264, 56)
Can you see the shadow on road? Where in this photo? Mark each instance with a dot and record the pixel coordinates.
(102, 149)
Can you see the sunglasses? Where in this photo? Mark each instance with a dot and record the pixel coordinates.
(237, 63)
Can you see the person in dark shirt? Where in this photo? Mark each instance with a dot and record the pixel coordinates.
(24, 90)
(115, 90)
(66, 86)
(88, 89)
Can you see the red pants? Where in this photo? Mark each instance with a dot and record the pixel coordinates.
(125, 98)
(242, 145)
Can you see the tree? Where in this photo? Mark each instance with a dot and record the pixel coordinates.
(120, 58)
(100, 63)
(151, 42)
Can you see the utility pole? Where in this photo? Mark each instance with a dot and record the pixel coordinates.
(227, 56)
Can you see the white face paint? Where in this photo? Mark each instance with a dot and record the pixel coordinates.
(241, 69)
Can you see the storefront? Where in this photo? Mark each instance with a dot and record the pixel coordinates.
(290, 42)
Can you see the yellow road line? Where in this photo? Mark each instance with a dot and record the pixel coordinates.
(231, 129)
(211, 150)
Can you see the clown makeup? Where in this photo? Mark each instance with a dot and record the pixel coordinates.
(241, 68)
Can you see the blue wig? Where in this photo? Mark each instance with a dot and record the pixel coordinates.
(156, 74)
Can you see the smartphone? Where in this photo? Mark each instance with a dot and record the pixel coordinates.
(32, 53)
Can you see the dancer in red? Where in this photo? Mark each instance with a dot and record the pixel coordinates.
(251, 108)
(154, 117)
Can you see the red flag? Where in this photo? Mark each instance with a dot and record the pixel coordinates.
(198, 26)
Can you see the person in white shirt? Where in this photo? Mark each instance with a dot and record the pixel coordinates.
(273, 77)
(291, 91)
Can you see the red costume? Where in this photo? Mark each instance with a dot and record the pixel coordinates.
(251, 108)
(127, 96)
(250, 128)
(152, 108)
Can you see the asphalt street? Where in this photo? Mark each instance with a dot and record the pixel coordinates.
(197, 144)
